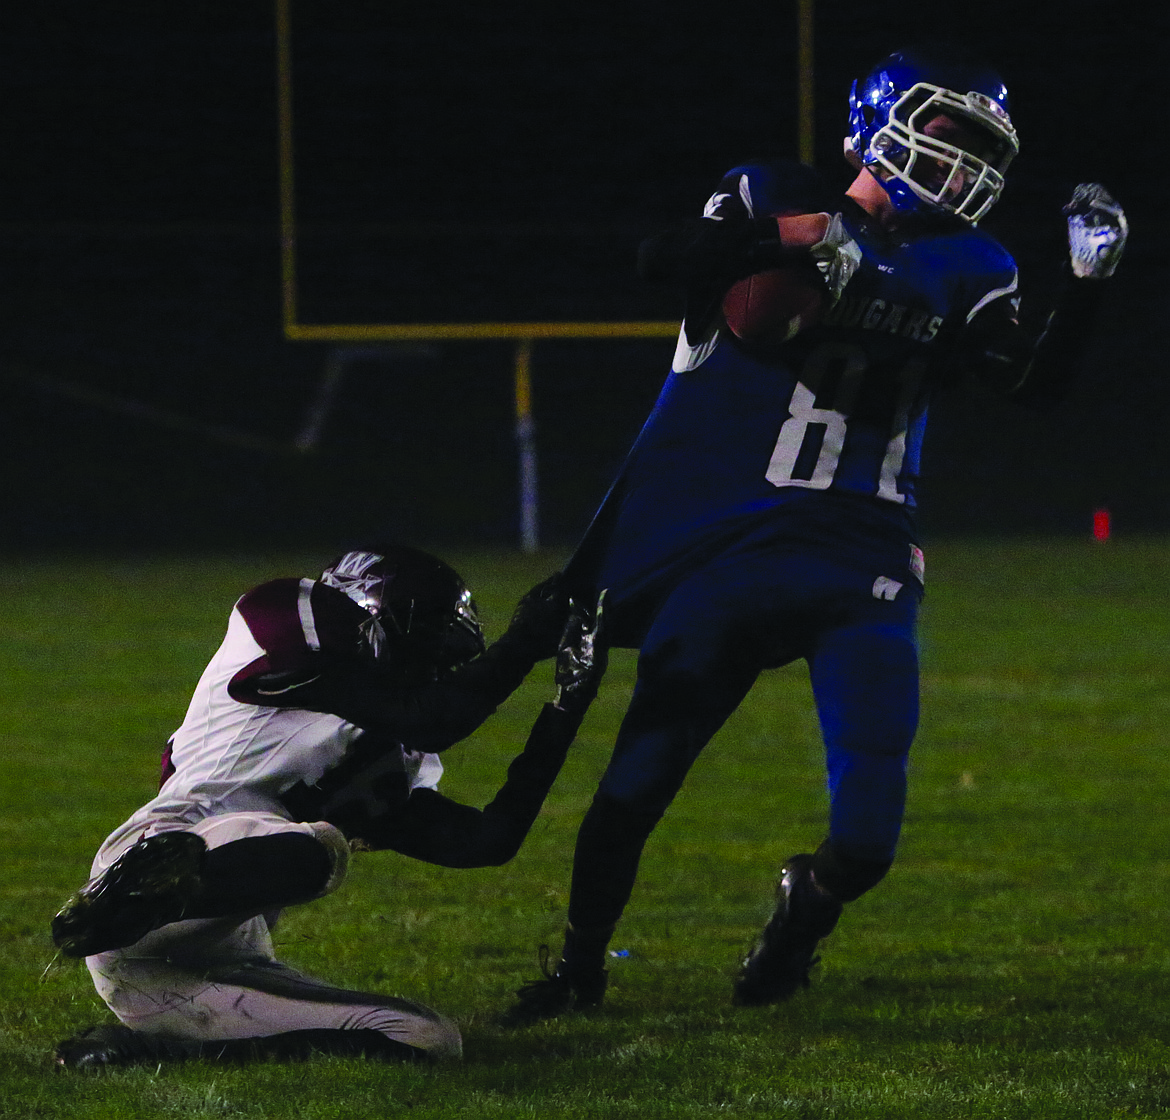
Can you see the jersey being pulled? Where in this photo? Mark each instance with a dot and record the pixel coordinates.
(230, 756)
(840, 409)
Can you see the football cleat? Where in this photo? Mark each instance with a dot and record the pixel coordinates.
(151, 885)
(779, 965)
(556, 994)
(116, 1045)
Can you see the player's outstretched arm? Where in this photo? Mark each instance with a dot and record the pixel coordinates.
(434, 717)
(451, 709)
(436, 829)
(759, 218)
(1039, 368)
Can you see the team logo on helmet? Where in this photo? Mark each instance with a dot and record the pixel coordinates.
(358, 575)
(361, 576)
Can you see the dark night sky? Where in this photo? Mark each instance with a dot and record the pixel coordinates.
(466, 161)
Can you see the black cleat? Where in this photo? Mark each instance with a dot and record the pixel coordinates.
(778, 967)
(557, 994)
(116, 1045)
(149, 886)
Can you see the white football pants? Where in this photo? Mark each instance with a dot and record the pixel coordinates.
(217, 978)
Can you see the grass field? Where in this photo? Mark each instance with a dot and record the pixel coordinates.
(1014, 964)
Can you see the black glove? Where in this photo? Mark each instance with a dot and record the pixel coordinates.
(539, 619)
(582, 658)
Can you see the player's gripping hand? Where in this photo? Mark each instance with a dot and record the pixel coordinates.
(836, 254)
(582, 658)
(539, 619)
(1097, 230)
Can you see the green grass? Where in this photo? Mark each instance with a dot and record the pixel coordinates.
(1014, 963)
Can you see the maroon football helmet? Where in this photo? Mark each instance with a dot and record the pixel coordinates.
(426, 621)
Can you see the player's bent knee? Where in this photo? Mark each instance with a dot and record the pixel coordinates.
(337, 847)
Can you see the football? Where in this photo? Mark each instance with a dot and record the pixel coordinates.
(774, 306)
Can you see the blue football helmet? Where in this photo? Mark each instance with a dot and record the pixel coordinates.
(889, 111)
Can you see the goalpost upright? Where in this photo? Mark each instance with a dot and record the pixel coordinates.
(523, 334)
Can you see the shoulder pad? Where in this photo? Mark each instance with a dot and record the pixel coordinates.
(290, 618)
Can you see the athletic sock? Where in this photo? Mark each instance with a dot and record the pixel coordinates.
(844, 876)
(261, 873)
(584, 952)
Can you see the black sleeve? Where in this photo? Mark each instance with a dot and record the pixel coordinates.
(433, 717)
(435, 829)
(708, 251)
(706, 255)
(1038, 366)
(423, 719)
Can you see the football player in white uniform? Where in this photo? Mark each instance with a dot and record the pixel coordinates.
(313, 731)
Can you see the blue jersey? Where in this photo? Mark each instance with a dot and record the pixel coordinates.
(834, 417)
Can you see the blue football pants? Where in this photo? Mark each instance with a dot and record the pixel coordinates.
(708, 642)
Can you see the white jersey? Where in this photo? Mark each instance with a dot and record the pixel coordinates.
(235, 757)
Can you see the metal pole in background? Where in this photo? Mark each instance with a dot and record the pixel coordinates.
(805, 100)
(288, 223)
(526, 448)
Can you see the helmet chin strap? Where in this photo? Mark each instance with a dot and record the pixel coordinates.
(901, 199)
(871, 192)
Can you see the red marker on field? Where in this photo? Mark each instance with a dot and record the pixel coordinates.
(1102, 525)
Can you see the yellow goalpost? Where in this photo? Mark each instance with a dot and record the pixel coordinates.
(524, 334)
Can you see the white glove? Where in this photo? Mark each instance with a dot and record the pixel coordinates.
(1096, 231)
(837, 255)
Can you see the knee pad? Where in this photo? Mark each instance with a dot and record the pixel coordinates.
(335, 843)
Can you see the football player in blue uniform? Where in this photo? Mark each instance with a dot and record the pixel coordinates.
(766, 511)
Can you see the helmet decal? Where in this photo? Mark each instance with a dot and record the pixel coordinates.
(359, 576)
